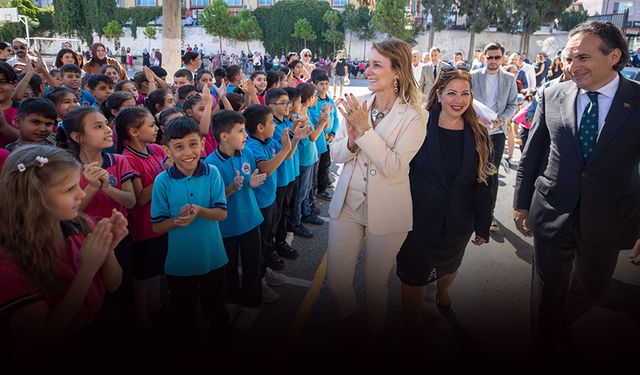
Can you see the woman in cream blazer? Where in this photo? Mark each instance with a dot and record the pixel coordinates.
(381, 134)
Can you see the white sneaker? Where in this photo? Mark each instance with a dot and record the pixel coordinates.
(289, 238)
(233, 311)
(494, 226)
(268, 295)
(246, 318)
(273, 278)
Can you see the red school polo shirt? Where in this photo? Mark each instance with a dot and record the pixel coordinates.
(119, 172)
(147, 166)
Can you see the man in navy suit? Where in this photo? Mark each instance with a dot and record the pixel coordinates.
(578, 184)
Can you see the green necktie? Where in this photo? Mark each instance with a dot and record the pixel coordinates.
(589, 126)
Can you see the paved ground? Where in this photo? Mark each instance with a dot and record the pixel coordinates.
(490, 299)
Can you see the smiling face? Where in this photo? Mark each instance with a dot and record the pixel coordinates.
(282, 107)
(113, 73)
(101, 54)
(72, 80)
(455, 98)
(68, 102)
(20, 49)
(64, 195)
(197, 111)
(68, 58)
(260, 82)
(96, 135)
(6, 88)
(102, 91)
(34, 127)
(379, 73)
(130, 87)
(185, 152)
(589, 66)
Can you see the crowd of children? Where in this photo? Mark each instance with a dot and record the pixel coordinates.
(152, 198)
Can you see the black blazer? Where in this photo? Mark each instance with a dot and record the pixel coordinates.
(464, 207)
(558, 188)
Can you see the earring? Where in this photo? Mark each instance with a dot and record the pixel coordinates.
(395, 85)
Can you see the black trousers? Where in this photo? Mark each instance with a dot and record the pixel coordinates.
(568, 277)
(498, 141)
(284, 196)
(245, 249)
(209, 289)
(268, 232)
(323, 171)
(524, 136)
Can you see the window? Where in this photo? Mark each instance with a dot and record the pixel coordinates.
(199, 3)
(146, 3)
(620, 7)
(265, 2)
(234, 3)
(339, 3)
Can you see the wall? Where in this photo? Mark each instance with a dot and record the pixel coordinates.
(449, 41)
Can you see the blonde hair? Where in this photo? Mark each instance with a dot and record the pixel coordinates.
(399, 52)
(480, 133)
(29, 234)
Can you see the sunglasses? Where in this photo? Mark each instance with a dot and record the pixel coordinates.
(494, 57)
(449, 68)
(307, 55)
(19, 47)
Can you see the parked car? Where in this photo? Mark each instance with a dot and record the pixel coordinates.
(631, 73)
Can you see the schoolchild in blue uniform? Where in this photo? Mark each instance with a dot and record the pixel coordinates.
(188, 201)
(278, 100)
(322, 143)
(72, 78)
(308, 157)
(241, 230)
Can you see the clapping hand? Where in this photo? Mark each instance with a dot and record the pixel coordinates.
(93, 173)
(188, 213)
(257, 179)
(285, 141)
(355, 114)
(96, 246)
(238, 180)
(118, 227)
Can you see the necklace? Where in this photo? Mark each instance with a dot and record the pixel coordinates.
(377, 115)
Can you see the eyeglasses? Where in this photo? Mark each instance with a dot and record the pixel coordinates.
(6, 82)
(19, 47)
(288, 102)
(494, 57)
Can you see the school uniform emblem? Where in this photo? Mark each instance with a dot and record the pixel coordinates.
(246, 168)
(112, 180)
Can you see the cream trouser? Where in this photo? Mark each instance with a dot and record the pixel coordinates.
(345, 237)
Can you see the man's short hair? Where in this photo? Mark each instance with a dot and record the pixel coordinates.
(494, 46)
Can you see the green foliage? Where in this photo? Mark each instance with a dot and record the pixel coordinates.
(333, 35)
(216, 20)
(113, 30)
(40, 20)
(83, 17)
(391, 17)
(303, 30)
(149, 32)
(278, 23)
(478, 16)
(245, 27)
(136, 17)
(571, 18)
(439, 10)
(365, 24)
(350, 17)
(98, 13)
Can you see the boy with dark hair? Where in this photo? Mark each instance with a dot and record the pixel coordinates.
(180, 78)
(234, 77)
(100, 86)
(72, 79)
(35, 120)
(184, 92)
(188, 200)
(219, 76)
(241, 230)
(324, 140)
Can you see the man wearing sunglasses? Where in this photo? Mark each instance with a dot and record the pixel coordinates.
(21, 51)
(497, 90)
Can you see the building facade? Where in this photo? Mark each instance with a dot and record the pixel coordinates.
(618, 6)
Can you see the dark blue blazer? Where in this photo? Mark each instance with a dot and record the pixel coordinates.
(560, 190)
(464, 207)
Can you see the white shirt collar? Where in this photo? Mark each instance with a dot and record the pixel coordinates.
(608, 90)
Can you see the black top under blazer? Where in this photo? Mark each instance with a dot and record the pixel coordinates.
(463, 207)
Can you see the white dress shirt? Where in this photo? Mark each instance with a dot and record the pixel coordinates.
(417, 71)
(605, 98)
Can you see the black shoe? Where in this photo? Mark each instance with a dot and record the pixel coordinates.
(326, 195)
(275, 262)
(312, 219)
(286, 251)
(302, 231)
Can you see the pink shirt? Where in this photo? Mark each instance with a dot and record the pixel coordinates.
(119, 172)
(3, 156)
(147, 166)
(9, 114)
(13, 283)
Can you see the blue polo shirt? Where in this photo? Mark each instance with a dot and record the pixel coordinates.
(243, 211)
(296, 153)
(264, 151)
(314, 115)
(195, 249)
(286, 171)
(307, 150)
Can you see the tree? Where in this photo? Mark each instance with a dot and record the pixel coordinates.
(303, 30)
(532, 13)
(216, 20)
(40, 20)
(391, 17)
(83, 17)
(149, 32)
(478, 19)
(439, 10)
(245, 28)
(333, 35)
(365, 27)
(97, 14)
(350, 21)
(113, 30)
(571, 18)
